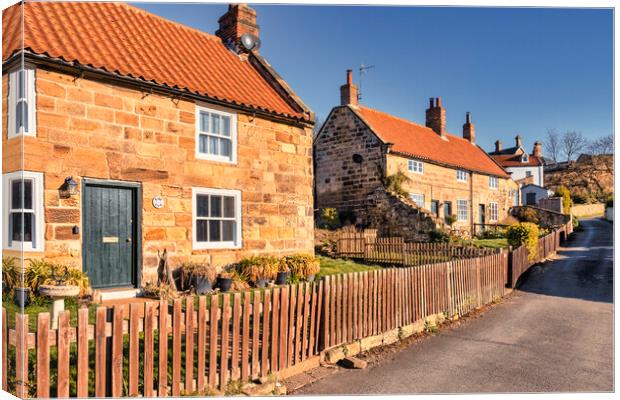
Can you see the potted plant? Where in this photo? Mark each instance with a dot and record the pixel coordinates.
(202, 278)
(283, 272)
(259, 269)
(224, 281)
(63, 282)
(303, 266)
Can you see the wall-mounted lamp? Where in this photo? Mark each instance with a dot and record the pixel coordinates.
(69, 188)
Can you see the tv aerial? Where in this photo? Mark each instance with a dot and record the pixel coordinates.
(363, 69)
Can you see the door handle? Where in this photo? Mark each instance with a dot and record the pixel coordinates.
(128, 239)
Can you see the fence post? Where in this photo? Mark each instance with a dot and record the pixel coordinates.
(21, 354)
(509, 268)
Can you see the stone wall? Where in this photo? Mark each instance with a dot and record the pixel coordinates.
(545, 218)
(95, 129)
(348, 161)
(552, 204)
(393, 215)
(587, 210)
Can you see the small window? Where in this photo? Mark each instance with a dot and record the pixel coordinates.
(447, 209)
(525, 158)
(21, 114)
(435, 207)
(461, 175)
(462, 210)
(217, 218)
(493, 182)
(415, 166)
(528, 173)
(493, 212)
(216, 137)
(418, 198)
(23, 211)
(358, 159)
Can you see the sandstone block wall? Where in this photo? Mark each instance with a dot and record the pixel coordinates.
(546, 218)
(88, 128)
(439, 183)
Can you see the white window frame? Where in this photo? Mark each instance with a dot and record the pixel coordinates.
(525, 158)
(493, 211)
(421, 195)
(415, 166)
(233, 134)
(30, 93)
(236, 243)
(493, 182)
(460, 203)
(37, 210)
(461, 175)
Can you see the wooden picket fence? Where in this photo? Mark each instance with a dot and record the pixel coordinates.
(358, 305)
(520, 260)
(394, 250)
(224, 339)
(203, 343)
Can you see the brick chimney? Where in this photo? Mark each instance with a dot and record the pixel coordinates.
(348, 91)
(469, 130)
(436, 117)
(537, 149)
(518, 141)
(498, 146)
(239, 19)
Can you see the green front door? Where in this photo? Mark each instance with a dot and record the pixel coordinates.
(110, 232)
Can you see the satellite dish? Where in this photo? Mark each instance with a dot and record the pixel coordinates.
(250, 42)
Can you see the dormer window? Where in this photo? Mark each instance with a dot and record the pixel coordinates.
(524, 158)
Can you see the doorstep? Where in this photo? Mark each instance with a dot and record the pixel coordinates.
(106, 295)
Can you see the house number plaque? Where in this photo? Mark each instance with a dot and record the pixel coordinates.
(158, 202)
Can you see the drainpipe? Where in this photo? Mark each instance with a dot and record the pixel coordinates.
(471, 202)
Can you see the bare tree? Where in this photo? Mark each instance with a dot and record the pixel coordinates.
(572, 144)
(552, 144)
(602, 145)
(317, 127)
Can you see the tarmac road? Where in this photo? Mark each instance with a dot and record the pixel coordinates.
(553, 334)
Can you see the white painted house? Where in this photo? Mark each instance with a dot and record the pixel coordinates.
(524, 168)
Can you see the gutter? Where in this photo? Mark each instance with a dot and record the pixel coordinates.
(81, 71)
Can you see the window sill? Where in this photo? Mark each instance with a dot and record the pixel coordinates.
(222, 160)
(216, 246)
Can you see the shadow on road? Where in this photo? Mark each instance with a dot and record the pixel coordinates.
(582, 269)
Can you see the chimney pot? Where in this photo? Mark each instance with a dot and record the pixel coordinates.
(431, 102)
(537, 149)
(518, 141)
(238, 20)
(348, 91)
(436, 117)
(498, 145)
(469, 131)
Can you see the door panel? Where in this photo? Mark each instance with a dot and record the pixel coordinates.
(482, 214)
(109, 235)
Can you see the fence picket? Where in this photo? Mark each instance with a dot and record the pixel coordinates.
(43, 355)
(245, 338)
(202, 338)
(117, 351)
(134, 349)
(189, 344)
(63, 356)
(162, 356)
(148, 349)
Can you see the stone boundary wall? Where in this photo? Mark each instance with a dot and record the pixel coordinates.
(547, 218)
(394, 215)
(552, 204)
(584, 210)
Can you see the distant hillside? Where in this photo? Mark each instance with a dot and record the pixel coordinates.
(588, 176)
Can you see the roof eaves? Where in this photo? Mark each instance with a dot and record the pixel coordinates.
(60, 62)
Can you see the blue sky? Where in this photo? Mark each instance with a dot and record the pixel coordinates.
(517, 70)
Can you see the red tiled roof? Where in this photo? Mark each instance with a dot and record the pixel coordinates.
(421, 142)
(511, 160)
(125, 40)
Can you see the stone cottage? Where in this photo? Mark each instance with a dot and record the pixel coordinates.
(125, 134)
(447, 175)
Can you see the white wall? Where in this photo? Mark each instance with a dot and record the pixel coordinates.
(609, 213)
(520, 173)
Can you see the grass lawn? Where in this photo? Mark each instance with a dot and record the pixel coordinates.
(331, 266)
(42, 305)
(491, 243)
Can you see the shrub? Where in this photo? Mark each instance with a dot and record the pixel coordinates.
(563, 192)
(450, 219)
(492, 234)
(10, 273)
(509, 220)
(524, 233)
(303, 265)
(330, 218)
(259, 267)
(575, 221)
(526, 214)
(437, 236)
(185, 271)
(394, 183)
